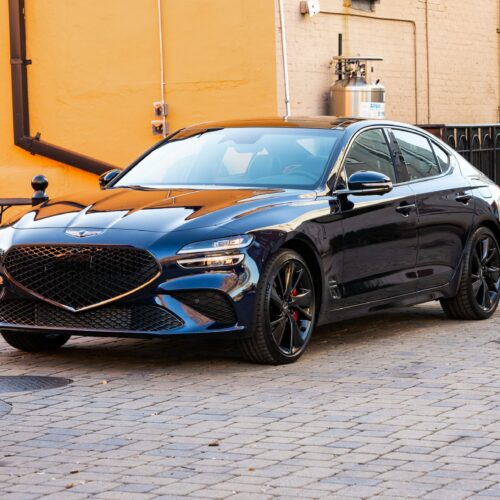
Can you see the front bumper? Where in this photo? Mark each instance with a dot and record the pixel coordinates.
(189, 301)
(118, 320)
(194, 302)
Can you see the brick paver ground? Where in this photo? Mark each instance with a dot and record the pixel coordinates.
(401, 404)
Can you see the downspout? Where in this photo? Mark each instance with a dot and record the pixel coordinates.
(396, 20)
(20, 107)
(427, 45)
(498, 57)
(284, 55)
(162, 73)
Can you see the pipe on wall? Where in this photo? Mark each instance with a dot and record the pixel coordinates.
(284, 56)
(20, 106)
(390, 19)
(162, 71)
(498, 48)
(427, 55)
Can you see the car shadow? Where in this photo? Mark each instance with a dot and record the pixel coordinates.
(220, 353)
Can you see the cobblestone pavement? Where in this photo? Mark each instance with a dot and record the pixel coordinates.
(401, 404)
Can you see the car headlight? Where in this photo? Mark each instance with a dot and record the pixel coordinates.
(211, 261)
(220, 245)
(214, 252)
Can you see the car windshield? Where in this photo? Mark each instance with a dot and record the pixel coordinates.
(248, 157)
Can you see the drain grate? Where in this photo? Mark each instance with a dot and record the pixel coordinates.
(26, 383)
(4, 409)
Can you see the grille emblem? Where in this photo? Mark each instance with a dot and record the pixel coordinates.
(82, 233)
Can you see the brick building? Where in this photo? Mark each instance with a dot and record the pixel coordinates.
(95, 70)
(441, 57)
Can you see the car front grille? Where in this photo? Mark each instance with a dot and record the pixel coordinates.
(212, 304)
(123, 317)
(79, 277)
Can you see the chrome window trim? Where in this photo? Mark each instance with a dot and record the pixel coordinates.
(339, 163)
(342, 156)
(431, 140)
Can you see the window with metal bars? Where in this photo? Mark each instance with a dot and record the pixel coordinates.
(367, 5)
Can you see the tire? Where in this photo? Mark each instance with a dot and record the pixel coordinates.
(479, 289)
(285, 311)
(35, 342)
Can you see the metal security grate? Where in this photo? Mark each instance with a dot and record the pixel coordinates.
(77, 276)
(212, 304)
(27, 383)
(478, 144)
(146, 318)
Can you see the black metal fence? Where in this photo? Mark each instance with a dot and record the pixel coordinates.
(479, 144)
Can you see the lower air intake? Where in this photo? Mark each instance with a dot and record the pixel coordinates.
(144, 318)
(212, 304)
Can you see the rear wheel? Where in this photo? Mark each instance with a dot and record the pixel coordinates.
(479, 290)
(35, 342)
(285, 311)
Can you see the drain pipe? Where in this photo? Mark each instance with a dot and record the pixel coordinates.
(498, 33)
(162, 74)
(428, 57)
(20, 109)
(284, 55)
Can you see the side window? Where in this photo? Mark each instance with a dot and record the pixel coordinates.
(442, 156)
(418, 154)
(370, 151)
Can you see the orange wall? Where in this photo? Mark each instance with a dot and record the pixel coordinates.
(96, 73)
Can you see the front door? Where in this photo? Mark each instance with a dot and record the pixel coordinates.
(379, 250)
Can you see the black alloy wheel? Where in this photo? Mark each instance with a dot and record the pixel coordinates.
(485, 273)
(291, 307)
(285, 311)
(479, 289)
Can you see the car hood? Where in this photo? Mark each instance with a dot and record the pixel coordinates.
(153, 210)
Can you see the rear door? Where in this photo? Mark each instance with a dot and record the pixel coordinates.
(445, 206)
(379, 248)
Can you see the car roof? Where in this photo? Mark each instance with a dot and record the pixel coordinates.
(312, 122)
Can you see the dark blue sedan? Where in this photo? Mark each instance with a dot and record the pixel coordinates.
(260, 230)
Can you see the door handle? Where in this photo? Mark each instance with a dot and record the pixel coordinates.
(463, 198)
(405, 208)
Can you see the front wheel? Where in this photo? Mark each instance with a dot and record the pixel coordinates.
(479, 290)
(285, 311)
(35, 342)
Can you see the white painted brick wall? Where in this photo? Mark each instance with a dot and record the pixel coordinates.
(463, 57)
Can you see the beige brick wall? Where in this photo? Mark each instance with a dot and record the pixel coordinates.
(462, 62)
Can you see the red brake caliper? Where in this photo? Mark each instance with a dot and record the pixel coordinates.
(295, 314)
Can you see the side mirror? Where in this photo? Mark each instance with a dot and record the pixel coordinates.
(39, 183)
(107, 177)
(368, 182)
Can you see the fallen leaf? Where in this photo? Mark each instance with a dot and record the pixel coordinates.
(213, 443)
(69, 486)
